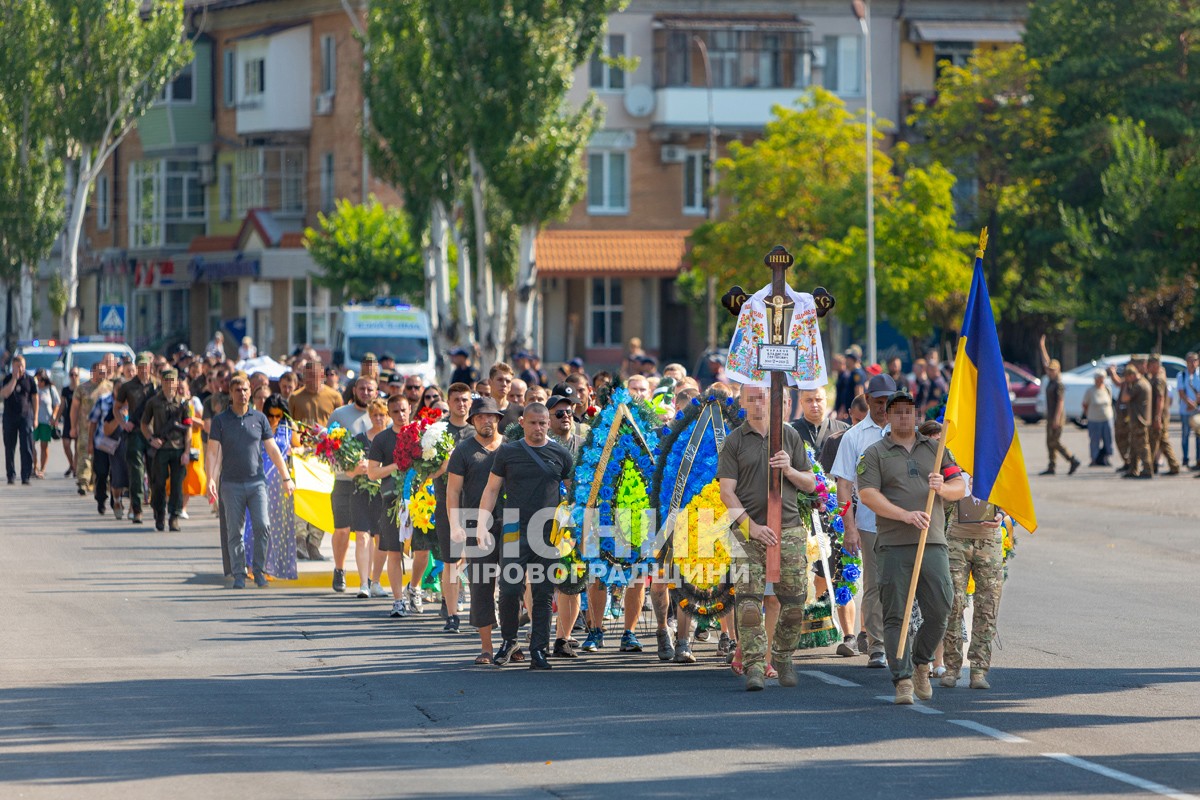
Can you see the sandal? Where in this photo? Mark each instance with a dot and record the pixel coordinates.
(771, 672)
(736, 666)
(484, 660)
(517, 655)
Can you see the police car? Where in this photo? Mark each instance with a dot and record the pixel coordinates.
(59, 358)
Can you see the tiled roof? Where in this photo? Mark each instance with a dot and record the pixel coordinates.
(569, 253)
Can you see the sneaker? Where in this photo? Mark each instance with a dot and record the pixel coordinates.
(666, 650)
(847, 648)
(594, 641)
(184, 515)
(904, 693)
(683, 653)
(442, 612)
(174, 525)
(416, 602)
(877, 661)
(451, 625)
(364, 589)
(949, 680)
(239, 582)
(118, 510)
(136, 519)
(260, 580)
(1047, 471)
(979, 679)
(702, 633)
(563, 649)
(399, 609)
(1074, 466)
(160, 524)
(630, 643)
(377, 590)
(920, 682)
(339, 580)
(725, 645)
(101, 506)
(862, 645)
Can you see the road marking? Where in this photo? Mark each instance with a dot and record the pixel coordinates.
(832, 680)
(1117, 775)
(985, 730)
(920, 709)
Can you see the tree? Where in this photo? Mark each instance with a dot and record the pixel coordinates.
(1167, 307)
(803, 185)
(111, 62)
(31, 171)
(366, 250)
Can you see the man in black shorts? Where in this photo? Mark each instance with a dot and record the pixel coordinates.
(458, 404)
(530, 471)
(381, 466)
(469, 470)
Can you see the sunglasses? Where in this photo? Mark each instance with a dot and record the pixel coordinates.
(433, 396)
(274, 415)
(412, 388)
(562, 414)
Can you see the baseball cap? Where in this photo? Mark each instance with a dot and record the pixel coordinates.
(459, 351)
(563, 390)
(396, 380)
(144, 358)
(555, 399)
(368, 358)
(576, 362)
(169, 372)
(901, 396)
(854, 351)
(881, 386)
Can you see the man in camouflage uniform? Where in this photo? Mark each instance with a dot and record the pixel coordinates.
(744, 471)
(975, 548)
(86, 396)
(1120, 418)
(1140, 415)
(1160, 416)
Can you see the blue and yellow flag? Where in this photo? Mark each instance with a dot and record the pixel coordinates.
(979, 418)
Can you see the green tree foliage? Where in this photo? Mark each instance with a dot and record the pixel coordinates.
(803, 185)
(367, 250)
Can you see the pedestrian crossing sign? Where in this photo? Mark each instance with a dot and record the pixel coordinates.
(112, 319)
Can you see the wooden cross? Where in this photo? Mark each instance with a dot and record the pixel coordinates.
(778, 305)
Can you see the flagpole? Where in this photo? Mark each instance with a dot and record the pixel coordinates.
(937, 465)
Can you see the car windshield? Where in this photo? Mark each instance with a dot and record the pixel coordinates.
(405, 350)
(40, 360)
(86, 359)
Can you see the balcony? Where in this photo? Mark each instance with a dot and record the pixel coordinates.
(756, 62)
(271, 76)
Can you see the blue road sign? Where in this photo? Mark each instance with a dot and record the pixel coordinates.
(112, 319)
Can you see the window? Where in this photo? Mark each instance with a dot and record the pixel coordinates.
(741, 56)
(215, 314)
(225, 192)
(605, 313)
(181, 89)
(327, 193)
(608, 182)
(844, 65)
(229, 79)
(271, 178)
(603, 75)
(102, 203)
(695, 183)
(166, 203)
(314, 314)
(328, 64)
(254, 79)
(957, 53)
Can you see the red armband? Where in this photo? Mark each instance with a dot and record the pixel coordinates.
(951, 471)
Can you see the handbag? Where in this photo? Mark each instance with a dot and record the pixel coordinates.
(56, 432)
(107, 444)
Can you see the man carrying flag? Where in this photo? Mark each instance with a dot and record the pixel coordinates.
(980, 428)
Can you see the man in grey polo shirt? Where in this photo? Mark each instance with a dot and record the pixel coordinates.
(236, 441)
(860, 520)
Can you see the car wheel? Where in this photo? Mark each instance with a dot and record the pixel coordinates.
(1034, 420)
(1079, 424)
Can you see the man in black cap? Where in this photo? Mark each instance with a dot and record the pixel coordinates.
(860, 520)
(648, 365)
(463, 372)
(531, 472)
(387, 367)
(467, 476)
(895, 476)
(575, 365)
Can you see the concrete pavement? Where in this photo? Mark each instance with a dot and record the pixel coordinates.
(128, 671)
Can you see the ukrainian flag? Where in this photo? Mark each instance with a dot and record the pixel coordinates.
(980, 430)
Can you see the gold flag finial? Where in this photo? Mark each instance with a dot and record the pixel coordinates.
(983, 240)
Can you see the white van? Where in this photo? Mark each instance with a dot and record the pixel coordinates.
(389, 327)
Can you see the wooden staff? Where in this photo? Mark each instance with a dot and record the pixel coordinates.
(916, 575)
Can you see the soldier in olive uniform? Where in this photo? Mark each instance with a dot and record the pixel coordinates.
(895, 476)
(166, 424)
(976, 548)
(1160, 416)
(1055, 418)
(744, 471)
(1140, 396)
(1120, 418)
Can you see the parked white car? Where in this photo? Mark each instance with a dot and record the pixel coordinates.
(1077, 381)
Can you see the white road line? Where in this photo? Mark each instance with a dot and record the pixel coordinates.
(920, 709)
(985, 730)
(1123, 777)
(832, 680)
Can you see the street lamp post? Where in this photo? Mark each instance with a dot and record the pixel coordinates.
(710, 200)
(862, 11)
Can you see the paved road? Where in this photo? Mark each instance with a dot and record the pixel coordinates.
(127, 671)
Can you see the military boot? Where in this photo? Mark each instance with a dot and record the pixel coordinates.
(786, 669)
(979, 679)
(756, 678)
(920, 682)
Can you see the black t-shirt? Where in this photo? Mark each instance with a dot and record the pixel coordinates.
(467, 375)
(241, 440)
(383, 448)
(473, 463)
(528, 487)
(19, 404)
(68, 396)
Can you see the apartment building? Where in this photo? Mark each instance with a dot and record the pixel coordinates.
(196, 224)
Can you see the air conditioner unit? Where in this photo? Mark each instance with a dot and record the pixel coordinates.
(673, 154)
(206, 174)
(818, 56)
(323, 104)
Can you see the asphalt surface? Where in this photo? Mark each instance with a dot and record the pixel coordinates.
(127, 670)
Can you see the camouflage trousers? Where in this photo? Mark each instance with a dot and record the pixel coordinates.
(791, 591)
(1160, 445)
(985, 559)
(1140, 461)
(83, 463)
(1121, 434)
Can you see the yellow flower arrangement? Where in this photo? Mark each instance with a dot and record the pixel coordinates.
(701, 551)
(421, 507)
